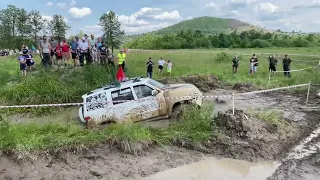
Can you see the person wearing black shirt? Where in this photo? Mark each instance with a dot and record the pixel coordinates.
(286, 65)
(110, 58)
(103, 54)
(273, 64)
(149, 68)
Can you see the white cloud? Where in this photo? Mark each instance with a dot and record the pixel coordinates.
(174, 15)
(131, 20)
(79, 12)
(211, 5)
(49, 18)
(49, 4)
(315, 4)
(267, 8)
(238, 4)
(147, 28)
(61, 5)
(72, 3)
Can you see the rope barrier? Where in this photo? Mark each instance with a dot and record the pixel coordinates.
(182, 97)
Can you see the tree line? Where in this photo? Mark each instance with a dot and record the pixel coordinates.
(189, 39)
(18, 26)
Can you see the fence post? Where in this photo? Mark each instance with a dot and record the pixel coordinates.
(233, 103)
(269, 78)
(308, 92)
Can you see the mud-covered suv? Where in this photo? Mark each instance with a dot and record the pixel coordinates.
(136, 99)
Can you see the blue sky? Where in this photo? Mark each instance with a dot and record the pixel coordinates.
(148, 15)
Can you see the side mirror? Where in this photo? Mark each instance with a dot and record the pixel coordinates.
(154, 92)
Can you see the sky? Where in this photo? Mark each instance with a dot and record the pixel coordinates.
(148, 15)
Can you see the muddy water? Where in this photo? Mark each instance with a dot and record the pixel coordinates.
(305, 148)
(218, 169)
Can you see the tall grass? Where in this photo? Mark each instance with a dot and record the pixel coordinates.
(195, 128)
(68, 85)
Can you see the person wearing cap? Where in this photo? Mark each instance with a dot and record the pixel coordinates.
(22, 61)
(121, 58)
(286, 65)
(84, 52)
(45, 50)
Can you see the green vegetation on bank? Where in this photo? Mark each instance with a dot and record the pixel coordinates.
(190, 39)
(194, 129)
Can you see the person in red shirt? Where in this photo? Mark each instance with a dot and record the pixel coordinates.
(65, 52)
(58, 53)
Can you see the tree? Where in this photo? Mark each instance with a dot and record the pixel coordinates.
(111, 29)
(58, 27)
(37, 24)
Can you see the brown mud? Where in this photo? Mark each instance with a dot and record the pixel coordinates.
(241, 136)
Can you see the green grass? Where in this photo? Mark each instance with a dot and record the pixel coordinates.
(68, 85)
(195, 128)
(275, 119)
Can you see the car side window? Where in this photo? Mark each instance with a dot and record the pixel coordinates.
(122, 95)
(142, 91)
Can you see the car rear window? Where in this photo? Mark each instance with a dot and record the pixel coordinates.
(122, 95)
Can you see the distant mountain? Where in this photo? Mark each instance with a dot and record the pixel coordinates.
(210, 25)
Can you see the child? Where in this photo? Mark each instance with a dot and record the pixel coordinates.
(59, 53)
(29, 61)
(23, 66)
(169, 67)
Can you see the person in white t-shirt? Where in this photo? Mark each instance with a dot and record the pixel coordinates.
(161, 63)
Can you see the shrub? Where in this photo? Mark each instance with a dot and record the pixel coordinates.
(259, 43)
(222, 57)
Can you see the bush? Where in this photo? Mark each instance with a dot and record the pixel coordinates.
(222, 57)
(259, 43)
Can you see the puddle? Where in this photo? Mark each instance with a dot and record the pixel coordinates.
(219, 169)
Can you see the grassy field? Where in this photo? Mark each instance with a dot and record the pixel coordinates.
(68, 85)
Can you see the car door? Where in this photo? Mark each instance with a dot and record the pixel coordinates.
(125, 106)
(149, 104)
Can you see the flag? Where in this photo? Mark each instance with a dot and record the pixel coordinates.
(120, 75)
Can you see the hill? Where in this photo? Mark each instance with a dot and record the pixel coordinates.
(210, 25)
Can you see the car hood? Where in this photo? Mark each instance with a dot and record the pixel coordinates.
(176, 86)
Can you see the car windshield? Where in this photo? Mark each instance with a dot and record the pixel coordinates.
(156, 84)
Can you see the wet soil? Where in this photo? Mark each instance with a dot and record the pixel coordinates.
(99, 163)
(241, 136)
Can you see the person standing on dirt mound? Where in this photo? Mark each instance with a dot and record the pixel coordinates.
(286, 65)
(235, 64)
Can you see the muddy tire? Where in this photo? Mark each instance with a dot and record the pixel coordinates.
(177, 110)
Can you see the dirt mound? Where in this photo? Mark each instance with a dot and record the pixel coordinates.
(204, 83)
(242, 136)
(244, 87)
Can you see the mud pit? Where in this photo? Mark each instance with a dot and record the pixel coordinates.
(241, 138)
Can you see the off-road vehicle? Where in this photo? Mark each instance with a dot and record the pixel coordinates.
(136, 99)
